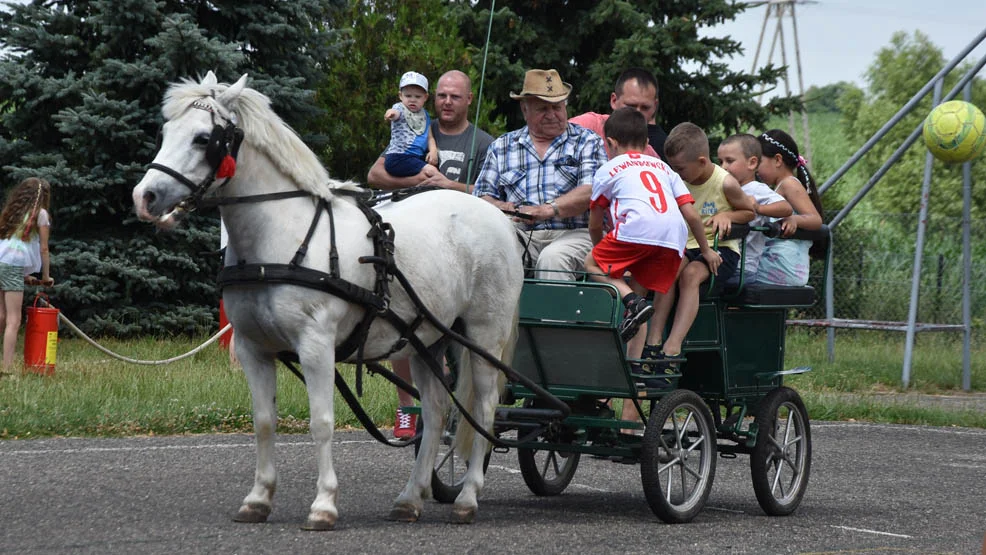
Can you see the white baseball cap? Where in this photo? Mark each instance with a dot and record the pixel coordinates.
(414, 78)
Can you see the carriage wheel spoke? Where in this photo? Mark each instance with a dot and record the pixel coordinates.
(778, 484)
(684, 427)
(668, 486)
(686, 468)
(697, 443)
(450, 467)
(441, 462)
(551, 461)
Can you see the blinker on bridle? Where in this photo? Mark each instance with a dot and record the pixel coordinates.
(220, 153)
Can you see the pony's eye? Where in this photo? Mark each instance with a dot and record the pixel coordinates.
(201, 139)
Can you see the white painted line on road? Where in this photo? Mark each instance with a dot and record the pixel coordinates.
(590, 488)
(129, 449)
(956, 431)
(505, 469)
(851, 529)
(573, 485)
(173, 447)
(725, 510)
(973, 466)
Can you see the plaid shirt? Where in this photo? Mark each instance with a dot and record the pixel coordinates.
(513, 171)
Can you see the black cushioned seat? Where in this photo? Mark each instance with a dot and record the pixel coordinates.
(763, 294)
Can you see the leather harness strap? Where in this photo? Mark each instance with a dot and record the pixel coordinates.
(376, 304)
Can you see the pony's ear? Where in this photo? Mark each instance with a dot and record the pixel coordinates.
(233, 91)
(209, 79)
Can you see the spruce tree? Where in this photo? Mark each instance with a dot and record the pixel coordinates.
(386, 38)
(82, 84)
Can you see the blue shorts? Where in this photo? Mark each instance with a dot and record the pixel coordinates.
(403, 165)
(728, 267)
(11, 278)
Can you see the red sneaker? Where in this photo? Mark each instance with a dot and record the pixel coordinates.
(405, 425)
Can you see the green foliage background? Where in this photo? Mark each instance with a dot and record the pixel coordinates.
(81, 84)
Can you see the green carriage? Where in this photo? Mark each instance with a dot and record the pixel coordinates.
(728, 399)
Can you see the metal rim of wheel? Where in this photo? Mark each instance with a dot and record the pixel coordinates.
(450, 469)
(781, 460)
(678, 457)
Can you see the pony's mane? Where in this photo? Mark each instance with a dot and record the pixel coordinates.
(263, 129)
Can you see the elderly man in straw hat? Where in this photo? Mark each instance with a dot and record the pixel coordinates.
(544, 170)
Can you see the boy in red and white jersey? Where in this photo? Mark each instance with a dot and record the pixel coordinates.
(648, 207)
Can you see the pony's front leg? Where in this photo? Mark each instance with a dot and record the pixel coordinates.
(262, 379)
(320, 378)
(408, 505)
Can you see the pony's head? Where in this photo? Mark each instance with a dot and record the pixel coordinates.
(205, 124)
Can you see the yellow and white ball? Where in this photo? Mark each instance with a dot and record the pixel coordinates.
(955, 132)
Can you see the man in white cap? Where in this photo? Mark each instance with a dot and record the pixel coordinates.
(461, 151)
(544, 170)
(411, 145)
(461, 145)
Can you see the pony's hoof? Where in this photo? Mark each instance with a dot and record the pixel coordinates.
(252, 512)
(319, 521)
(404, 512)
(463, 515)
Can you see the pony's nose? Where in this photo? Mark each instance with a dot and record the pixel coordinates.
(149, 199)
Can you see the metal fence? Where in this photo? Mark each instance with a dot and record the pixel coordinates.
(873, 261)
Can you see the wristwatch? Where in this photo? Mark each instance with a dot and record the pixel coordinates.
(554, 206)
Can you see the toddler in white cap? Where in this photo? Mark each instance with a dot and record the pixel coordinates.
(412, 147)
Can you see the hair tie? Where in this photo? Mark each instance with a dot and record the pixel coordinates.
(798, 160)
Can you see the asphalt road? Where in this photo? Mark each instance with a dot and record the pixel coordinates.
(873, 489)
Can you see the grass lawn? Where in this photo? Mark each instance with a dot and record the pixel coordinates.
(92, 394)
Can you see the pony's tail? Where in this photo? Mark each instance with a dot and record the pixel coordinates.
(466, 392)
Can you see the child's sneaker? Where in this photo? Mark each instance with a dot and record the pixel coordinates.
(658, 365)
(638, 311)
(405, 424)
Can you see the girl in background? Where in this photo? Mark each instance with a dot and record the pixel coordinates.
(24, 229)
(786, 261)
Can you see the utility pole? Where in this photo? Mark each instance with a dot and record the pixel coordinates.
(780, 8)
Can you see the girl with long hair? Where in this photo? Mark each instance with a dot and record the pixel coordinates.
(24, 229)
(786, 261)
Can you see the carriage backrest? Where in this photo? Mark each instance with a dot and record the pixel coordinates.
(568, 339)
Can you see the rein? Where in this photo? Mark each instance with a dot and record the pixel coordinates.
(221, 154)
(376, 303)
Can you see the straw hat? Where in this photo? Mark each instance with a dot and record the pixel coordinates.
(545, 84)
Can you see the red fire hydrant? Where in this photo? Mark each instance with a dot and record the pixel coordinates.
(41, 338)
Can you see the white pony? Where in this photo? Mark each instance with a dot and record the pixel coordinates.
(459, 253)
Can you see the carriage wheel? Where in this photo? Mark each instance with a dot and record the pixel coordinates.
(678, 458)
(547, 472)
(450, 468)
(781, 460)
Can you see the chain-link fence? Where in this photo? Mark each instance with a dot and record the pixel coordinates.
(873, 262)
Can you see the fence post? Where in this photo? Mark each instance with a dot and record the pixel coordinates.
(912, 311)
(966, 264)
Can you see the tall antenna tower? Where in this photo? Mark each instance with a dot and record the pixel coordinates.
(779, 9)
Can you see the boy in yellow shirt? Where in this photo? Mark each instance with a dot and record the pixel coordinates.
(720, 202)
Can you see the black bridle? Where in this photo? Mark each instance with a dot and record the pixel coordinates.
(224, 142)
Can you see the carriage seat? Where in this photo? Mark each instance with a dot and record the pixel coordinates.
(765, 294)
(737, 292)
